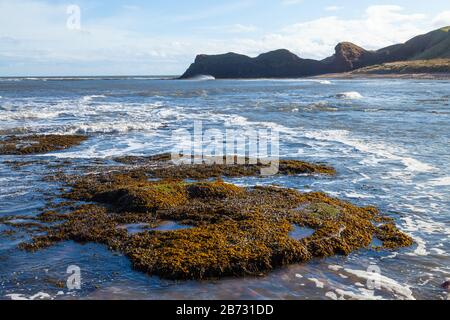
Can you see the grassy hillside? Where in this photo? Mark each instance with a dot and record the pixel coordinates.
(408, 67)
(438, 45)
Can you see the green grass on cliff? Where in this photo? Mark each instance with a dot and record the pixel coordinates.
(408, 67)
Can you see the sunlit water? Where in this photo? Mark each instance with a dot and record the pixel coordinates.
(388, 139)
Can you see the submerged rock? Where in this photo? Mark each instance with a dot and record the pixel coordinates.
(230, 230)
(35, 144)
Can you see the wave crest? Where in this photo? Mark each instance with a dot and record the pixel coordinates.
(351, 95)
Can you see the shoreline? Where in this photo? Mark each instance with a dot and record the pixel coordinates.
(375, 76)
(337, 76)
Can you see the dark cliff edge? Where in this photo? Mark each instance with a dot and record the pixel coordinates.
(347, 57)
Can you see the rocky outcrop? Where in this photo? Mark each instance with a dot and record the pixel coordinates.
(347, 57)
(275, 64)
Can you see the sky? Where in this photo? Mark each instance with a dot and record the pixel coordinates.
(137, 37)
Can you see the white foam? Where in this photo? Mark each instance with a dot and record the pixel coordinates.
(319, 284)
(37, 296)
(170, 114)
(202, 77)
(440, 182)
(421, 249)
(331, 295)
(415, 224)
(388, 284)
(358, 195)
(92, 97)
(28, 115)
(335, 267)
(438, 251)
(325, 82)
(379, 149)
(359, 294)
(237, 121)
(416, 165)
(351, 95)
(111, 127)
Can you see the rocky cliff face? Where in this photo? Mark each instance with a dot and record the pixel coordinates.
(348, 56)
(275, 64)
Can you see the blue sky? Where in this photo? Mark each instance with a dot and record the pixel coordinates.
(162, 37)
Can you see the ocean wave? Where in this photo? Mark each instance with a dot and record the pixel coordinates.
(440, 182)
(351, 95)
(92, 97)
(236, 120)
(320, 106)
(378, 149)
(203, 77)
(30, 115)
(86, 78)
(111, 127)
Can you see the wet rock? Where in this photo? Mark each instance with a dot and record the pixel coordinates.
(232, 231)
(36, 144)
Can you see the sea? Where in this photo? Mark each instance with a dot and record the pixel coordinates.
(387, 138)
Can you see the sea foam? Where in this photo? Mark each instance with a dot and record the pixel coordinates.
(351, 95)
(203, 77)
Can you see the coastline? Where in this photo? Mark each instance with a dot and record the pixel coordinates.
(405, 76)
(376, 166)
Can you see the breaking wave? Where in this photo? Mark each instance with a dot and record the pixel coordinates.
(202, 77)
(351, 95)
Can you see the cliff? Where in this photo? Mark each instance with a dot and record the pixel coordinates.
(347, 57)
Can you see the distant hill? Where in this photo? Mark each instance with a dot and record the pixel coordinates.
(347, 57)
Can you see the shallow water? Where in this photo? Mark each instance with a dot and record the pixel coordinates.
(388, 140)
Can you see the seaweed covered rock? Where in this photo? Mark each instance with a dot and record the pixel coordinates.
(233, 231)
(230, 167)
(35, 144)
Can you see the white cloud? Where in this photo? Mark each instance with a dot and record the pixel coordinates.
(234, 28)
(333, 8)
(290, 2)
(34, 39)
(442, 19)
(241, 28)
(380, 26)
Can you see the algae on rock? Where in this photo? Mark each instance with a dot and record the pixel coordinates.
(235, 231)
